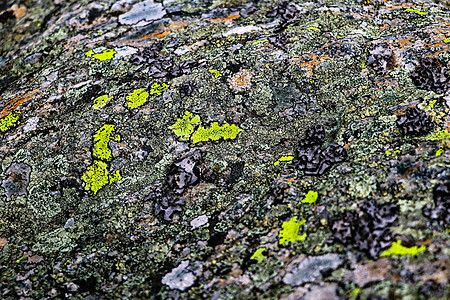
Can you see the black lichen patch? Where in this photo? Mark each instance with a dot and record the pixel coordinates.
(280, 40)
(381, 59)
(187, 88)
(144, 56)
(431, 75)
(165, 202)
(287, 11)
(314, 160)
(440, 212)
(415, 122)
(17, 180)
(236, 172)
(182, 174)
(367, 229)
(166, 67)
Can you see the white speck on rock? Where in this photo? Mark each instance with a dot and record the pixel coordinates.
(124, 51)
(179, 278)
(242, 30)
(31, 124)
(143, 13)
(199, 221)
(310, 269)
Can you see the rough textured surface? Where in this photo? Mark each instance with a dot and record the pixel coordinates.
(163, 149)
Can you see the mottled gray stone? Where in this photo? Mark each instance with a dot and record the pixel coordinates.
(310, 269)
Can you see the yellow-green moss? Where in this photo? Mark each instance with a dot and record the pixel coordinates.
(258, 255)
(310, 197)
(158, 88)
(290, 230)
(137, 98)
(97, 176)
(101, 139)
(447, 40)
(398, 249)
(102, 56)
(183, 127)
(8, 121)
(101, 101)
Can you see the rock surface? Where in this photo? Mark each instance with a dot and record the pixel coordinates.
(168, 149)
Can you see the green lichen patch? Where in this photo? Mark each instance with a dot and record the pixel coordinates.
(102, 56)
(398, 249)
(101, 101)
(97, 176)
(215, 72)
(290, 230)
(158, 88)
(215, 132)
(258, 255)
(439, 135)
(283, 159)
(101, 139)
(184, 127)
(310, 197)
(8, 121)
(137, 98)
(415, 11)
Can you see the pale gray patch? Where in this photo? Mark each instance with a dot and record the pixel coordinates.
(179, 278)
(310, 269)
(143, 11)
(17, 180)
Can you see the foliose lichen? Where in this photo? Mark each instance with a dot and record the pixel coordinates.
(97, 176)
(366, 229)
(431, 74)
(258, 255)
(137, 98)
(415, 122)
(398, 249)
(183, 127)
(101, 140)
(101, 101)
(290, 230)
(102, 56)
(9, 120)
(314, 160)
